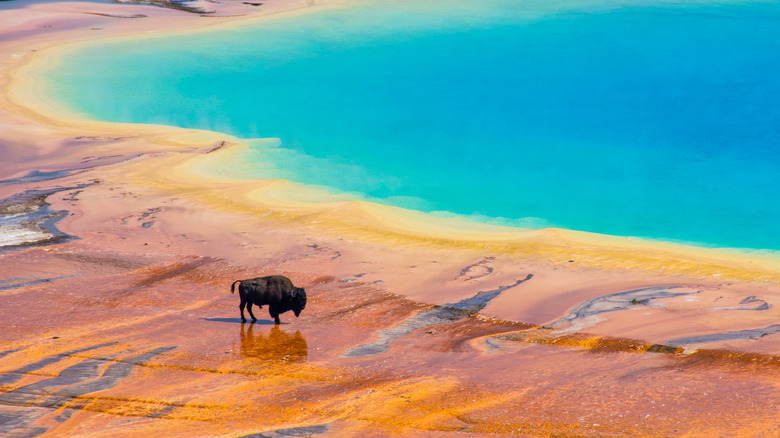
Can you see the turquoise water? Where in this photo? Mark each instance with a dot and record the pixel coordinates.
(657, 121)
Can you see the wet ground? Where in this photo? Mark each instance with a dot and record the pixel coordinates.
(105, 343)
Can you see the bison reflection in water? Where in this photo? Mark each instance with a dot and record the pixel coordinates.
(278, 346)
(276, 291)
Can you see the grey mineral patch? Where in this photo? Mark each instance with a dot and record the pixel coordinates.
(27, 220)
(37, 176)
(304, 431)
(440, 314)
(749, 303)
(61, 392)
(80, 372)
(12, 284)
(738, 335)
(12, 376)
(585, 313)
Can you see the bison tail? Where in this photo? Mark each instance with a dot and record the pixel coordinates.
(233, 286)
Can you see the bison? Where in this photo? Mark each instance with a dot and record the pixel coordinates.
(276, 291)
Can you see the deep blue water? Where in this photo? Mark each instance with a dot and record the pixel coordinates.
(656, 121)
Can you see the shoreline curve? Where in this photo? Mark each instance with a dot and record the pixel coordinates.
(376, 222)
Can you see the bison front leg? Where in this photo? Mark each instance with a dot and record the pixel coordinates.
(274, 314)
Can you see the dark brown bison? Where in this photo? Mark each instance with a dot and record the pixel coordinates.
(276, 291)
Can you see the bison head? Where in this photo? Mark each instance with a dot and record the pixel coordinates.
(297, 300)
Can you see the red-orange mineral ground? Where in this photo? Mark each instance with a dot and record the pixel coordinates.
(118, 249)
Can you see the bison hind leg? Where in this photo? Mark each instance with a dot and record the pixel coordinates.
(241, 306)
(249, 308)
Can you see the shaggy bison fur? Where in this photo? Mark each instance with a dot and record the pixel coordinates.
(276, 291)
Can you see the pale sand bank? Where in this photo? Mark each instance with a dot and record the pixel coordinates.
(162, 229)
